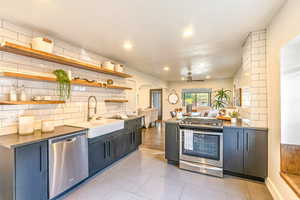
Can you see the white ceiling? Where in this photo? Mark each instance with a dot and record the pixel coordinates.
(155, 28)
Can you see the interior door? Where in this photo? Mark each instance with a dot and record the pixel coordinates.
(156, 101)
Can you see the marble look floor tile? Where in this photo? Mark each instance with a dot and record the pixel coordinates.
(194, 192)
(124, 195)
(145, 175)
(158, 188)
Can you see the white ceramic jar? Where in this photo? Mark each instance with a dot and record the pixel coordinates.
(47, 126)
(26, 125)
(119, 68)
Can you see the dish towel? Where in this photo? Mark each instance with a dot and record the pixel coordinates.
(188, 140)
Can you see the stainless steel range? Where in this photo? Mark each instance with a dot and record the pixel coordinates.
(201, 145)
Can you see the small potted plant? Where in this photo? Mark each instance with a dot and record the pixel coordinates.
(234, 116)
(64, 84)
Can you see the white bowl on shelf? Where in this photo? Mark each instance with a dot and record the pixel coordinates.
(109, 65)
(119, 68)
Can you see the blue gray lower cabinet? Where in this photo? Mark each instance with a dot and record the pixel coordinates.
(24, 172)
(256, 153)
(246, 151)
(32, 172)
(233, 149)
(106, 149)
(172, 143)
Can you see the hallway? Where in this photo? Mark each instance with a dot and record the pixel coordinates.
(154, 137)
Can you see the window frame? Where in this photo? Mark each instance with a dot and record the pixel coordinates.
(196, 91)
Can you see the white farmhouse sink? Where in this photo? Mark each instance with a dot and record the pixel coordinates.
(101, 127)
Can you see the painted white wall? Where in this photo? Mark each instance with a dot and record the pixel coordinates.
(143, 83)
(290, 81)
(179, 85)
(283, 28)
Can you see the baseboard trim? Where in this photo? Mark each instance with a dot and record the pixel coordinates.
(273, 190)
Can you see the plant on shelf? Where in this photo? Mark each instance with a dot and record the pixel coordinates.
(64, 84)
(221, 99)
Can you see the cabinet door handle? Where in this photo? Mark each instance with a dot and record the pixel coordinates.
(104, 150)
(238, 140)
(109, 149)
(41, 163)
(247, 141)
(177, 133)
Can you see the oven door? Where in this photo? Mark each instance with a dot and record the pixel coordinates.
(201, 147)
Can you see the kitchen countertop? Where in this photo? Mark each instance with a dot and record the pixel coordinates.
(15, 140)
(239, 124)
(131, 117)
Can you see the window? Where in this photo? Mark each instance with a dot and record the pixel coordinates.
(196, 97)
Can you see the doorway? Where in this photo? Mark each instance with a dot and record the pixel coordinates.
(156, 101)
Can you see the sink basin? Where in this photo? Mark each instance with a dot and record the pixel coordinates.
(100, 127)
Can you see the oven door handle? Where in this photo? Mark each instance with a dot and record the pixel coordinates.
(177, 134)
(208, 133)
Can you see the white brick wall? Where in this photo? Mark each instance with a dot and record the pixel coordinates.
(76, 108)
(254, 72)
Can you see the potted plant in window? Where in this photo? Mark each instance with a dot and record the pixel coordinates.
(221, 99)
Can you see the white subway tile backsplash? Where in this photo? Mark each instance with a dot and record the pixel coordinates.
(254, 62)
(75, 109)
(24, 39)
(15, 28)
(8, 34)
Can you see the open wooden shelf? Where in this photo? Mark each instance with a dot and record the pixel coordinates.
(50, 79)
(30, 102)
(115, 100)
(25, 51)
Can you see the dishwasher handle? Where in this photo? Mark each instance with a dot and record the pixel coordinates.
(67, 138)
(71, 139)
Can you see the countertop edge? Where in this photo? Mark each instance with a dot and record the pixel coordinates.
(174, 121)
(13, 146)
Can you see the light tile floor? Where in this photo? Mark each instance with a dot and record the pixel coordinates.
(145, 175)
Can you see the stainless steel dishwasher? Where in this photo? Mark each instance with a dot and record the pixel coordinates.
(68, 162)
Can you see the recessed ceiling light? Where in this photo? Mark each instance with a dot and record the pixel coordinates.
(188, 33)
(208, 77)
(127, 46)
(166, 68)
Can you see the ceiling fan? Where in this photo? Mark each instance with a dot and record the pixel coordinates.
(189, 78)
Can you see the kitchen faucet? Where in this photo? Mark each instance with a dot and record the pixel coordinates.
(89, 117)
